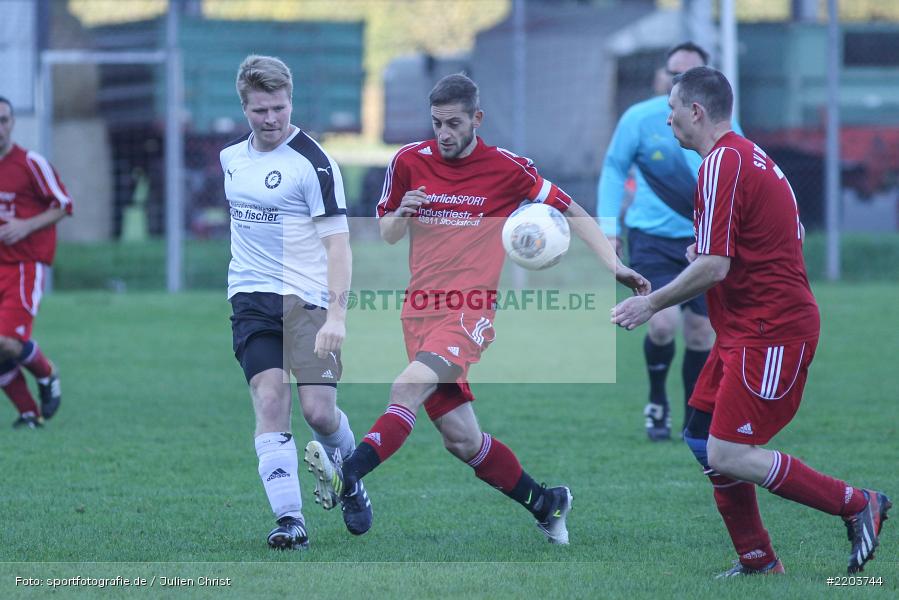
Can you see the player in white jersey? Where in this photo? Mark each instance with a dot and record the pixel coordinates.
(287, 283)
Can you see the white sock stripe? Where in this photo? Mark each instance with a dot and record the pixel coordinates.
(786, 471)
(7, 377)
(402, 413)
(727, 485)
(486, 443)
(772, 472)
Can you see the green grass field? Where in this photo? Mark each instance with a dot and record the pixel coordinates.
(149, 470)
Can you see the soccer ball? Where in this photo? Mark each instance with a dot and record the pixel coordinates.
(536, 236)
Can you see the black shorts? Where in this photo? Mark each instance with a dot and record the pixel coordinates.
(660, 260)
(271, 331)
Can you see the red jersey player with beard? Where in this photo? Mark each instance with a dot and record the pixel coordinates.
(748, 259)
(32, 201)
(452, 194)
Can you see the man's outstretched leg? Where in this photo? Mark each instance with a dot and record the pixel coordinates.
(494, 463)
(863, 511)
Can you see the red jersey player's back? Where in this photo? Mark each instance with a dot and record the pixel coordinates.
(28, 186)
(745, 209)
(455, 243)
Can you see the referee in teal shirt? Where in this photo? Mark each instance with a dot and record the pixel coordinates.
(659, 225)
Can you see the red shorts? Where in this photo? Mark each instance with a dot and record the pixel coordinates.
(21, 288)
(752, 393)
(458, 337)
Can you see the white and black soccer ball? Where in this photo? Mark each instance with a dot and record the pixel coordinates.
(536, 236)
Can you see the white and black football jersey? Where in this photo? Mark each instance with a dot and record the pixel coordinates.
(282, 203)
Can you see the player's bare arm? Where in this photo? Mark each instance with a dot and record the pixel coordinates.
(583, 225)
(704, 272)
(393, 225)
(690, 254)
(15, 230)
(340, 260)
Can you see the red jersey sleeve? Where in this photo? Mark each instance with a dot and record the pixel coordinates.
(396, 182)
(534, 187)
(715, 220)
(48, 186)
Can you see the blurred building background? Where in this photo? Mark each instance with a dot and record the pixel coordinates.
(554, 74)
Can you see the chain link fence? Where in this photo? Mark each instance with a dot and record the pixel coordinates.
(554, 82)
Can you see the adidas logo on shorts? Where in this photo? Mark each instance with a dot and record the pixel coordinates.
(454, 350)
(327, 374)
(746, 428)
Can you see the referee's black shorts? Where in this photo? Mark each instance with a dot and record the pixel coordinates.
(660, 260)
(273, 331)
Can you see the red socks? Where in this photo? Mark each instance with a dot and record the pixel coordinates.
(496, 464)
(390, 431)
(736, 501)
(792, 479)
(15, 386)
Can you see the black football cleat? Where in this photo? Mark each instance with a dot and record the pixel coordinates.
(50, 394)
(554, 527)
(356, 506)
(658, 422)
(290, 534)
(28, 421)
(863, 529)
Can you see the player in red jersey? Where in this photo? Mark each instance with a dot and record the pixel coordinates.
(748, 259)
(32, 201)
(447, 193)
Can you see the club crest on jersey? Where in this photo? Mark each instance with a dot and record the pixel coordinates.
(273, 180)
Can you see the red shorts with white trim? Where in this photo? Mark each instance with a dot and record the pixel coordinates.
(460, 338)
(753, 393)
(21, 289)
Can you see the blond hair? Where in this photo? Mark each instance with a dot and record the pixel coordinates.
(264, 74)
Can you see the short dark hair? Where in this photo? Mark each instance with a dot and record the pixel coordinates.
(6, 101)
(690, 47)
(454, 89)
(708, 87)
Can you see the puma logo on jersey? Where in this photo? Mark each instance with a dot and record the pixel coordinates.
(326, 170)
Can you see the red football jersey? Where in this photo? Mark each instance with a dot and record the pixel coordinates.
(29, 185)
(744, 208)
(455, 241)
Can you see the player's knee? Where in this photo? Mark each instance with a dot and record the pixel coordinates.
(268, 399)
(722, 459)
(662, 330)
(410, 389)
(9, 348)
(698, 334)
(321, 418)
